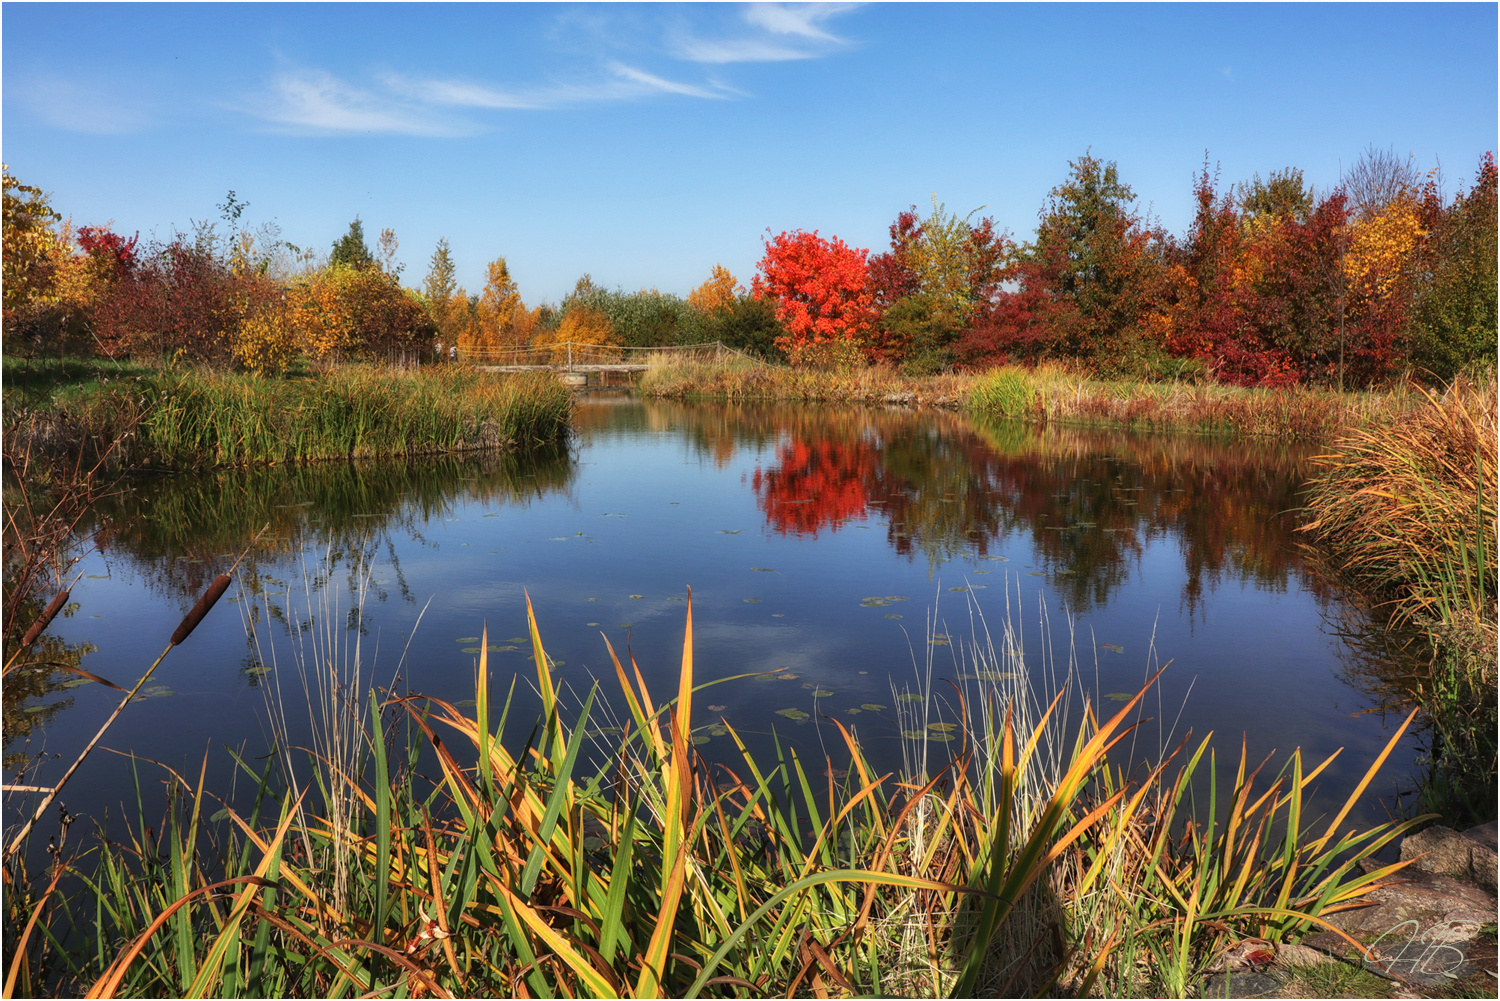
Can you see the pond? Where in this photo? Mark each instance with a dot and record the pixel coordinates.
(837, 558)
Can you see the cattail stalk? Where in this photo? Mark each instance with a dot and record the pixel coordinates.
(45, 619)
(189, 623)
(205, 602)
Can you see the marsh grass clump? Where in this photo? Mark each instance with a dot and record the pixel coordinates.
(742, 380)
(197, 418)
(1004, 392)
(1407, 510)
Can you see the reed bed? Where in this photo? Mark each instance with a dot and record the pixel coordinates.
(1407, 509)
(740, 380)
(1047, 392)
(590, 859)
(198, 418)
(1056, 394)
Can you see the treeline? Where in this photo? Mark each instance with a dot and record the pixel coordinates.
(1272, 284)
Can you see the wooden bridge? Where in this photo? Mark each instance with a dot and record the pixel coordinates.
(570, 358)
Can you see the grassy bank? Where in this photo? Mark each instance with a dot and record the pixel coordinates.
(608, 859)
(192, 418)
(1046, 393)
(1406, 509)
(744, 381)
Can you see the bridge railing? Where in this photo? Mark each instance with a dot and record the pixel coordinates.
(570, 353)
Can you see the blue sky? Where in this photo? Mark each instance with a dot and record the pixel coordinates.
(644, 144)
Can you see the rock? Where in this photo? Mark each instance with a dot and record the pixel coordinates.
(1421, 927)
(1442, 850)
(904, 399)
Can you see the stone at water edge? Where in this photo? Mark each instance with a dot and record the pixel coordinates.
(1470, 855)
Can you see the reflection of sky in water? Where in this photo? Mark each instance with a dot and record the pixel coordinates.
(650, 511)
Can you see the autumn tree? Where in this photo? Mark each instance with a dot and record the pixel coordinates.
(941, 275)
(1454, 316)
(1282, 195)
(716, 295)
(1209, 295)
(1097, 266)
(821, 290)
(1377, 179)
(498, 305)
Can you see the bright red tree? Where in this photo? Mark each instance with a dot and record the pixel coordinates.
(821, 289)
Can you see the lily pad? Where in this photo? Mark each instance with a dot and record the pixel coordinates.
(155, 692)
(1117, 648)
(821, 693)
(725, 531)
(637, 597)
(793, 714)
(853, 711)
(893, 615)
(701, 738)
(777, 615)
(466, 702)
(958, 589)
(873, 707)
(764, 569)
(717, 709)
(909, 697)
(1119, 696)
(468, 639)
(942, 727)
(789, 677)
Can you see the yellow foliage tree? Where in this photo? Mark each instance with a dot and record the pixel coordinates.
(1382, 246)
(715, 295)
(498, 305)
(581, 325)
(348, 310)
(265, 342)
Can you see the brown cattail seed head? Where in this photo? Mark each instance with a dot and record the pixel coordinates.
(210, 597)
(45, 619)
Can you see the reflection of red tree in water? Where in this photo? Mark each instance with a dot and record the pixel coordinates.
(816, 484)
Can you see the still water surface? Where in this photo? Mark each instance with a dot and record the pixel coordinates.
(833, 545)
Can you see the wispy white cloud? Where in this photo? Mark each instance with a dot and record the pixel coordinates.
(648, 83)
(458, 93)
(317, 101)
(800, 19)
(780, 32)
(78, 106)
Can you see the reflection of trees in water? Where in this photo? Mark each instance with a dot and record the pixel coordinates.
(41, 673)
(179, 534)
(1089, 501)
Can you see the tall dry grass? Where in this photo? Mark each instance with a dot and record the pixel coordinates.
(1407, 510)
(740, 380)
